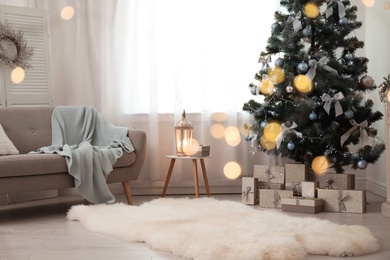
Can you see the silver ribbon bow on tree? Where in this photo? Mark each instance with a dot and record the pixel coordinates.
(323, 64)
(296, 22)
(329, 8)
(337, 106)
(264, 61)
(285, 130)
(246, 192)
(362, 128)
(340, 202)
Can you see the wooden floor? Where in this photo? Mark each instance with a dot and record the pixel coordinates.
(39, 231)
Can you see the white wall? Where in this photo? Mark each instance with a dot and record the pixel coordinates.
(376, 38)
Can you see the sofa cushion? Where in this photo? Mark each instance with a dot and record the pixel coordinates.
(6, 145)
(40, 164)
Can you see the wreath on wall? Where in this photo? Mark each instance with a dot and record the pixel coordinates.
(21, 54)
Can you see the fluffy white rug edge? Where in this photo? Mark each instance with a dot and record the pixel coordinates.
(207, 228)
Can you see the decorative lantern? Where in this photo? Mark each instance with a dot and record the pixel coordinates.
(183, 134)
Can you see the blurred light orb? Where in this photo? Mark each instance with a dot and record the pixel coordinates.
(219, 117)
(217, 131)
(194, 147)
(17, 75)
(232, 170)
(267, 144)
(67, 12)
(266, 86)
(388, 96)
(311, 10)
(320, 165)
(232, 136)
(303, 83)
(276, 75)
(272, 130)
(369, 3)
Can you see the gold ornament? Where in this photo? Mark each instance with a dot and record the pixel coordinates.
(267, 144)
(303, 83)
(311, 10)
(276, 75)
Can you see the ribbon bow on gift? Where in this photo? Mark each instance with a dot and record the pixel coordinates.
(285, 130)
(323, 64)
(264, 61)
(276, 199)
(329, 8)
(362, 128)
(328, 101)
(269, 174)
(246, 192)
(340, 202)
(297, 25)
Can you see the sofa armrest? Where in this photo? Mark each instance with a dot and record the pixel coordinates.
(139, 140)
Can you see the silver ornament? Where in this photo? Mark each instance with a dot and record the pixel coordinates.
(362, 164)
(289, 89)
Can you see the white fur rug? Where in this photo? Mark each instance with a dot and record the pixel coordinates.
(207, 228)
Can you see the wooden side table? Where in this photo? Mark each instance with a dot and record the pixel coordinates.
(194, 166)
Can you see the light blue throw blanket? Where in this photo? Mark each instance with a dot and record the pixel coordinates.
(91, 145)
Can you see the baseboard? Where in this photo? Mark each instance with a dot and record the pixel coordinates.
(4, 200)
(377, 188)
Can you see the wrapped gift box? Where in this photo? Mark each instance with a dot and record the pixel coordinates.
(351, 201)
(249, 191)
(270, 186)
(200, 151)
(309, 189)
(302, 205)
(345, 181)
(271, 174)
(295, 174)
(272, 198)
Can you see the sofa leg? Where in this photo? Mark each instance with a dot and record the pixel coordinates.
(126, 188)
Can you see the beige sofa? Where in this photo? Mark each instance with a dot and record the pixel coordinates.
(29, 128)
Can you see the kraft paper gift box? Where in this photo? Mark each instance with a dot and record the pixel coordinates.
(295, 174)
(271, 174)
(309, 189)
(302, 205)
(350, 201)
(344, 181)
(200, 151)
(249, 190)
(272, 198)
(270, 186)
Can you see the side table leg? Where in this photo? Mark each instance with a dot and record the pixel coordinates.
(206, 182)
(168, 177)
(196, 177)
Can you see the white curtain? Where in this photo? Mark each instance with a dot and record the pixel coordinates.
(141, 62)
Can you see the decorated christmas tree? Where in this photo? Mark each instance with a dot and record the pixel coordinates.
(310, 103)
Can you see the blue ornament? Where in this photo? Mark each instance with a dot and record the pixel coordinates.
(275, 27)
(290, 146)
(344, 21)
(302, 67)
(362, 164)
(279, 62)
(263, 124)
(348, 56)
(254, 90)
(349, 114)
(313, 116)
(306, 32)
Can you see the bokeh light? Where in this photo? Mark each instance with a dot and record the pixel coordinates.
(17, 75)
(311, 10)
(67, 12)
(267, 144)
(303, 83)
(272, 130)
(276, 75)
(266, 86)
(388, 96)
(217, 131)
(320, 165)
(194, 147)
(219, 117)
(232, 136)
(232, 170)
(369, 3)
